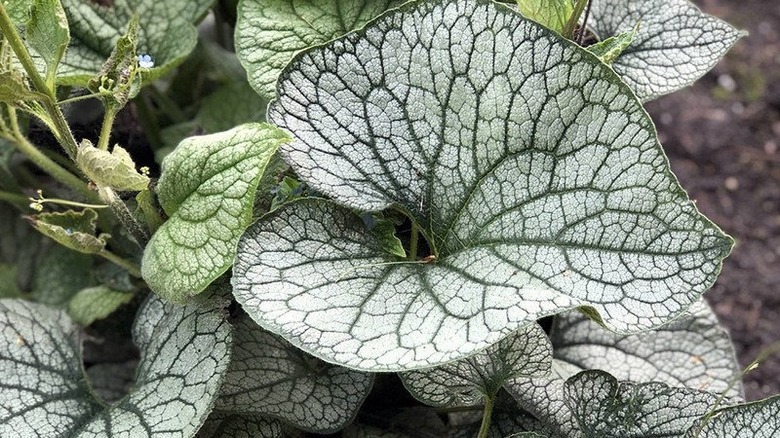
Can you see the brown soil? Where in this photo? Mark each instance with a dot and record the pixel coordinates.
(723, 140)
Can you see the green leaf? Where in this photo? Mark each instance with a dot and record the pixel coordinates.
(221, 425)
(13, 88)
(467, 382)
(268, 376)
(270, 32)
(553, 14)
(59, 274)
(231, 105)
(605, 408)
(167, 32)
(611, 48)
(692, 351)
(760, 419)
(207, 187)
(675, 45)
(8, 286)
(45, 393)
(48, 34)
(116, 78)
(115, 169)
(539, 187)
(75, 230)
(94, 303)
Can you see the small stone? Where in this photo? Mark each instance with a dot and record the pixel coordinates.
(731, 184)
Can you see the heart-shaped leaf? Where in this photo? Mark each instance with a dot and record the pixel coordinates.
(605, 408)
(530, 168)
(270, 32)
(167, 32)
(207, 187)
(468, 381)
(269, 376)
(44, 392)
(675, 45)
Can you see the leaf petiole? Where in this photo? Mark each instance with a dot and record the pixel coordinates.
(487, 414)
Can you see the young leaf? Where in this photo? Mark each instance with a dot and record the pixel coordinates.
(269, 33)
(760, 419)
(675, 45)
(207, 187)
(75, 230)
(268, 376)
(553, 14)
(117, 74)
(166, 32)
(114, 169)
(539, 186)
(48, 34)
(13, 88)
(468, 381)
(605, 408)
(611, 48)
(168, 395)
(93, 303)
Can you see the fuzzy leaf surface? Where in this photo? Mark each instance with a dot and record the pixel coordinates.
(549, 13)
(207, 187)
(533, 172)
(760, 419)
(48, 34)
(270, 32)
(115, 169)
(167, 32)
(676, 43)
(269, 376)
(467, 382)
(45, 392)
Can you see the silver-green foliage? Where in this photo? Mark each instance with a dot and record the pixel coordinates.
(529, 167)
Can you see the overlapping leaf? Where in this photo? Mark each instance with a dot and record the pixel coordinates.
(760, 419)
(675, 45)
(44, 392)
(269, 376)
(222, 425)
(532, 171)
(467, 382)
(207, 187)
(270, 32)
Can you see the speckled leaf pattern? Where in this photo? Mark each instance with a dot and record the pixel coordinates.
(270, 32)
(531, 169)
(760, 419)
(693, 351)
(222, 425)
(185, 352)
(207, 187)
(675, 45)
(467, 382)
(271, 377)
(167, 32)
(605, 408)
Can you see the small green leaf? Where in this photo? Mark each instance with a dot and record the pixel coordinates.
(13, 88)
(48, 34)
(675, 45)
(268, 376)
(605, 408)
(269, 33)
(609, 49)
(115, 169)
(553, 14)
(759, 419)
(207, 187)
(116, 79)
(168, 396)
(166, 31)
(93, 303)
(384, 231)
(468, 381)
(75, 230)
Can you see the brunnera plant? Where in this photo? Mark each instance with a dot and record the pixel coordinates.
(466, 193)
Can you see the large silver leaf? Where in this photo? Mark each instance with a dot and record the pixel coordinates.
(760, 419)
(271, 377)
(44, 393)
(530, 167)
(675, 45)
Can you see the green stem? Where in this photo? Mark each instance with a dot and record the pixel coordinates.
(47, 164)
(122, 213)
(82, 97)
(63, 134)
(487, 414)
(131, 267)
(413, 241)
(568, 29)
(14, 198)
(105, 130)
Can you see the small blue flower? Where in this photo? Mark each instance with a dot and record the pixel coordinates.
(145, 60)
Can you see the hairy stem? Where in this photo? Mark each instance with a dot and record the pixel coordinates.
(105, 130)
(122, 213)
